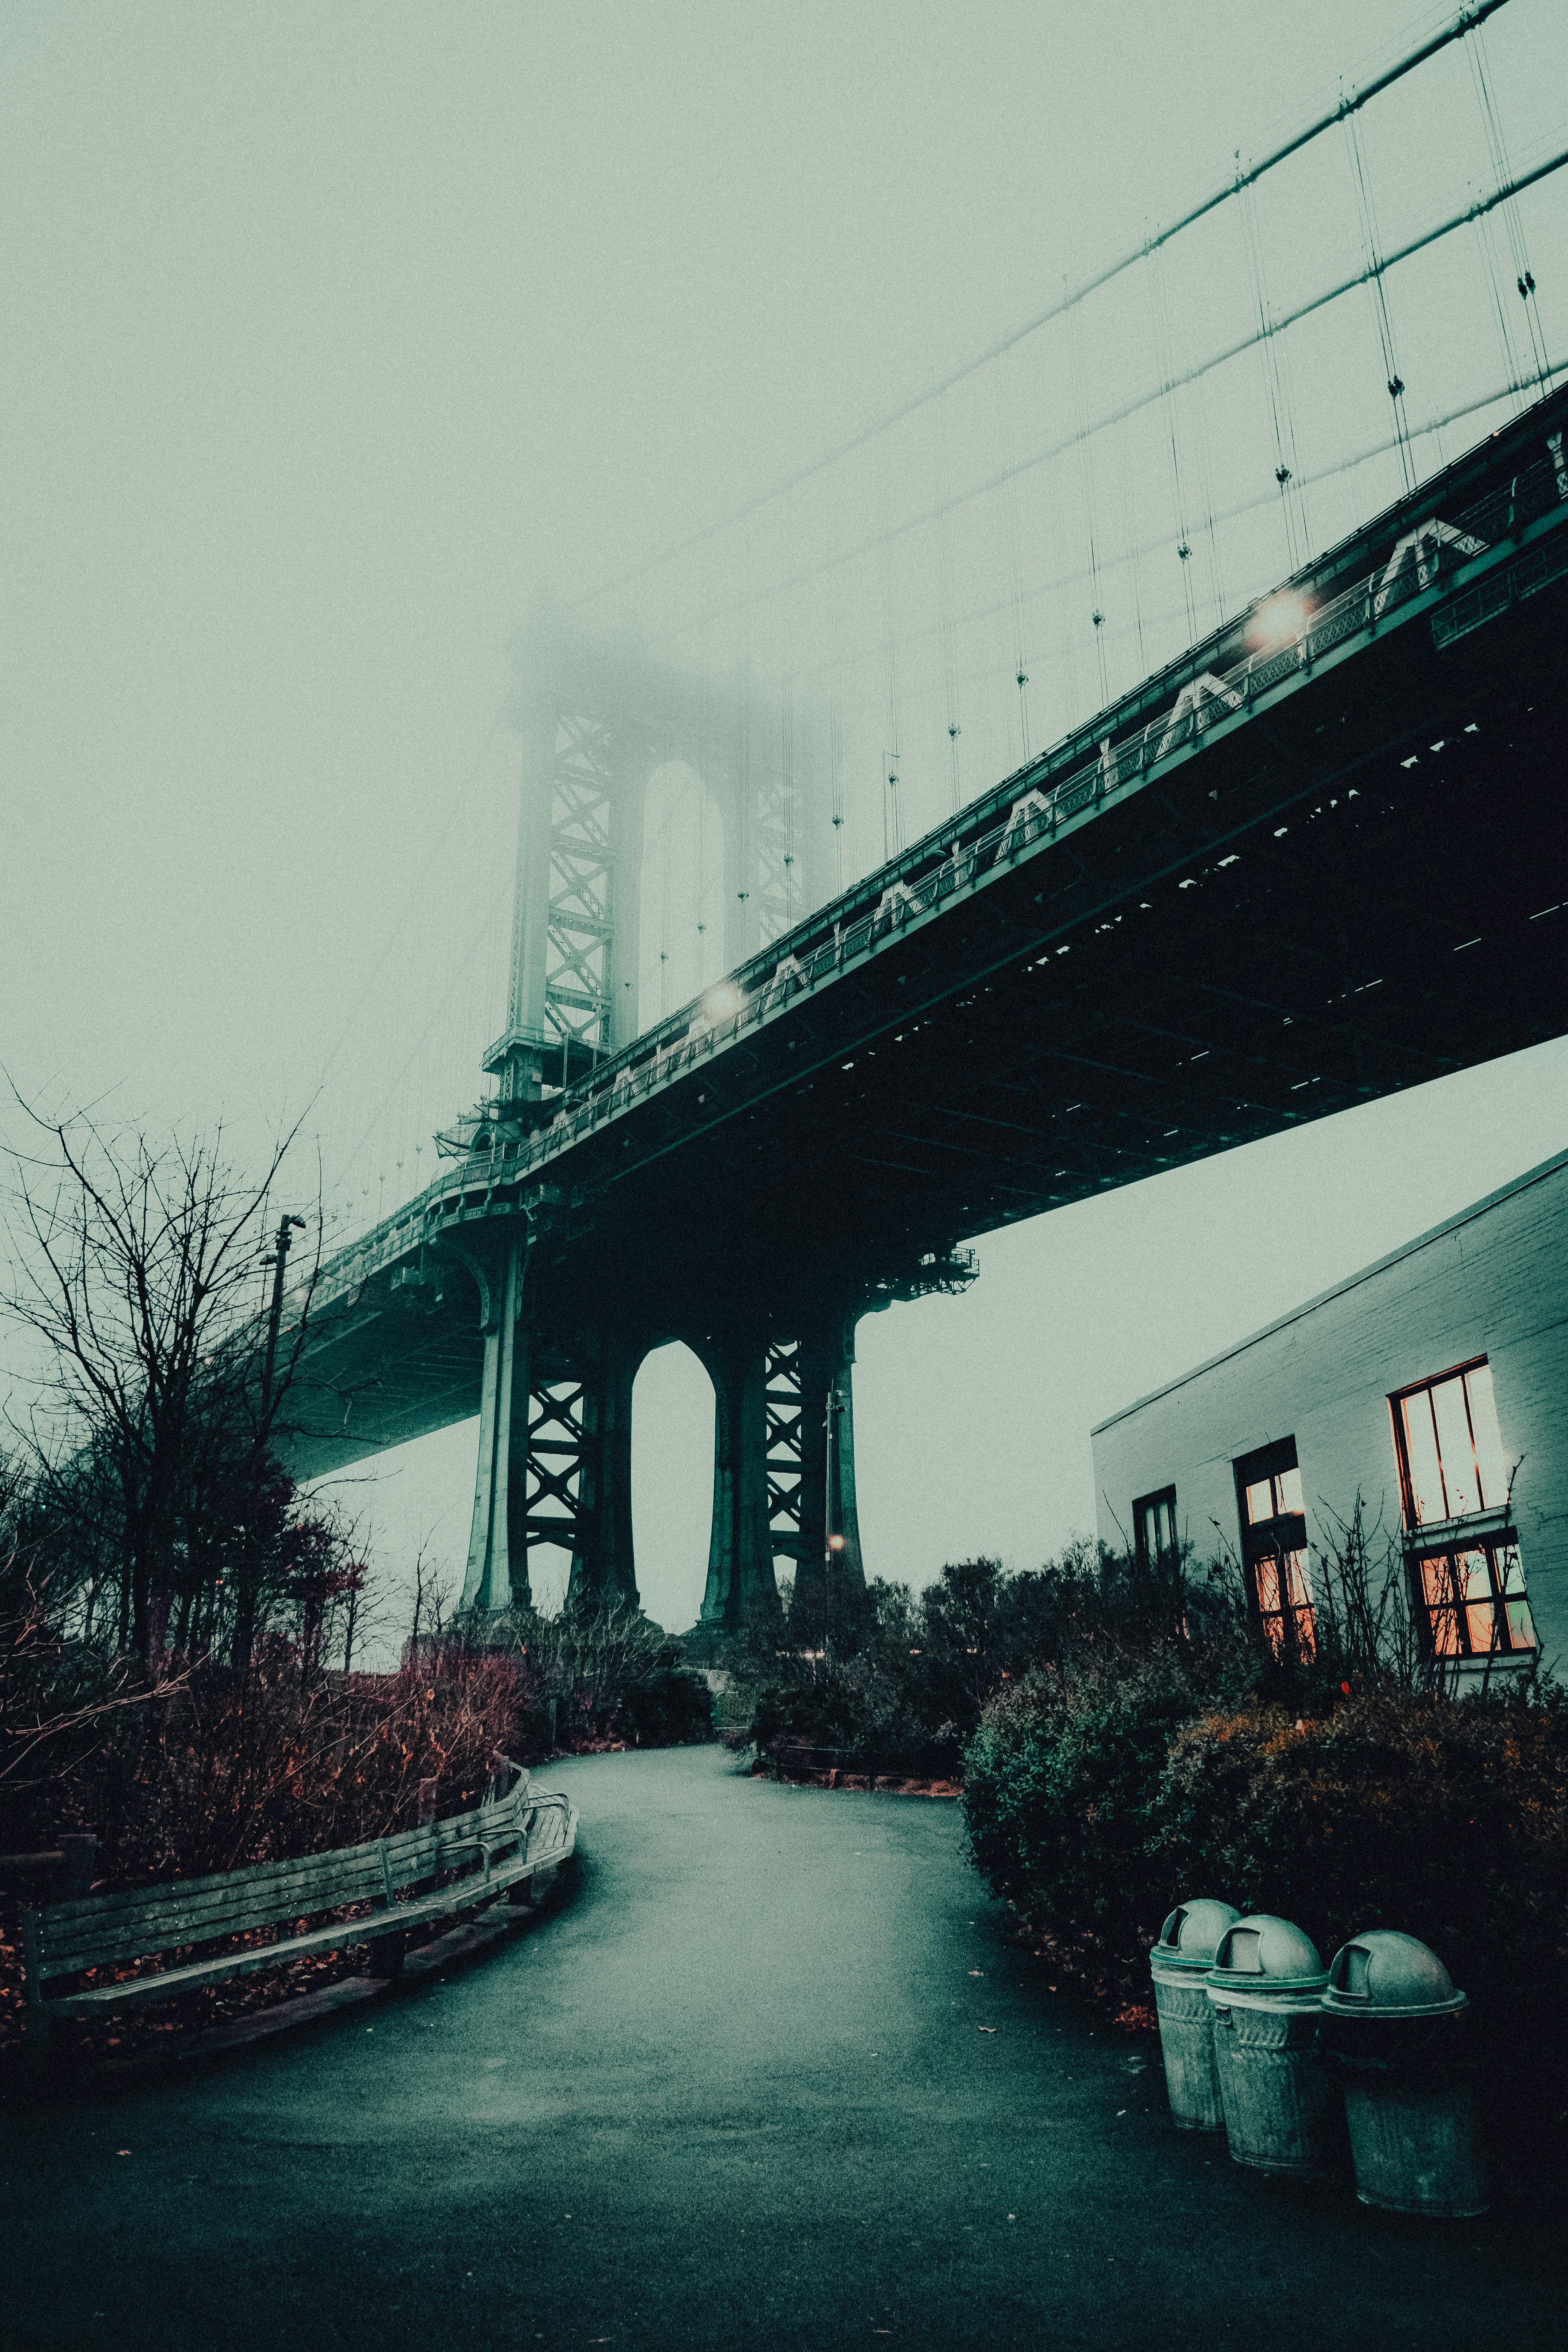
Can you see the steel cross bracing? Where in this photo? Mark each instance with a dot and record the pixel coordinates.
(782, 1395)
(560, 1473)
(1298, 877)
(577, 1002)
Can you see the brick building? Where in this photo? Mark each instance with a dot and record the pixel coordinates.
(1434, 1385)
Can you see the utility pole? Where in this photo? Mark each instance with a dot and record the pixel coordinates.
(277, 1262)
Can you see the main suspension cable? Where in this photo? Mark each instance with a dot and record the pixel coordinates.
(1467, 20)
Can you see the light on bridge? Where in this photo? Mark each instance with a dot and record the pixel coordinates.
(1278, 621)
(722, 1002)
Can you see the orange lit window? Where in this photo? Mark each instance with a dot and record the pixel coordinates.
(1451, 1462)
(1274, 1547)
(1473, 1599)
(1469, 1593)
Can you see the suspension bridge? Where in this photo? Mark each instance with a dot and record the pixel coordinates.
(774, 1048)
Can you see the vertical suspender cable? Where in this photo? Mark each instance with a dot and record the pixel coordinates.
(1378, 292)
(1086, 488)
(890, 841)
(942, 471)
(1156, 269)
(1284, 472)
(1502, 170)
(1010, 541)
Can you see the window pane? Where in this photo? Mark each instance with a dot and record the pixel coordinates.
(1520, 1630)
(1444, 1633)
(1471, 1575)
(1421, 1452)
(1274, 1629)
(1488, 1436)
(1295, 1584)
(1146, 1530)
(1482, 1629)
(1260, 1502)
(1509, 1569)
(1305, 1633)
(1436, 1578)
(1464, 1487)
(1289, 1484)
(1267, 1574)
(1165, 1522)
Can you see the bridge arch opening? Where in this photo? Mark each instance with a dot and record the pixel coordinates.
(682, 927)
(672, 1483)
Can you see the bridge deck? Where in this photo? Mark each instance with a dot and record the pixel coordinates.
(1330, 871)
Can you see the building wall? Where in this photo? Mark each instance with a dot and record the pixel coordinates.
(1492, 1282)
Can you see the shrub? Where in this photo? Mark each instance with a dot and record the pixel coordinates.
(1062, 1786)
(1446, 1818)
(230, 1769)
(673, 1709)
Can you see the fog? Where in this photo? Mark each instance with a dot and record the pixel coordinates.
(345, 347)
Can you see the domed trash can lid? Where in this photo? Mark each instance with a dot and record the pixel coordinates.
(1190, 1935)
(1386, 1974)
(1264, 1955)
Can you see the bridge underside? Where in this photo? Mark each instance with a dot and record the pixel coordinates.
(1352, 896)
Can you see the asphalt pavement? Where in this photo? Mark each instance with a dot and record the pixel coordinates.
(768, 2075)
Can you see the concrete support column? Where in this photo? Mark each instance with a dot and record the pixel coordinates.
(742, 1587)
(498, 1549)
(830, 1583)
(604, 1569)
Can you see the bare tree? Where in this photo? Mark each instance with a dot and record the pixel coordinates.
(136, 1268)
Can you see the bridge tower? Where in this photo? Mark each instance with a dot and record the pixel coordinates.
(595, 720)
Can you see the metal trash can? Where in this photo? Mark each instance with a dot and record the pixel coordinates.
(1391, 2025)
(1178, 1964)
(1266, 1989)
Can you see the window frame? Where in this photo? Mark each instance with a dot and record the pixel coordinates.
(1489, 1530)
(1290, 1627)
(1460, 1605)
(1153, 1500)
(1397, 1399)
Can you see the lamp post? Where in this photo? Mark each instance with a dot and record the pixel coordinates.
(277, 1261)
(833, 1540)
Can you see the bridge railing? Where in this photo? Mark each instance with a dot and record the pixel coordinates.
(1433, 550)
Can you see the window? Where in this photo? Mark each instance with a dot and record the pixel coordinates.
(1451, 1462)
(1274, 1547)
(1469, 1589)
(1472, 1598)
(1154, 1529)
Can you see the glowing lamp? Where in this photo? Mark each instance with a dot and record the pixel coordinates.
(835, 1543)
(722, 1002)
(1278, 621)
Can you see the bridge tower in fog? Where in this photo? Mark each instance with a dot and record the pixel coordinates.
(594, 723)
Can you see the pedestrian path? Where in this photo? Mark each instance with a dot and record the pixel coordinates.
(770, 2077)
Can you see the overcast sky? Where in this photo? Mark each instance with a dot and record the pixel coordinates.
(337, 338)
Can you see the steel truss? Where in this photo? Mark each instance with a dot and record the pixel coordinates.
(577, 976)
(784, 1424)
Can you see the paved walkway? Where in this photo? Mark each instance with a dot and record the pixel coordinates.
(769, 2078)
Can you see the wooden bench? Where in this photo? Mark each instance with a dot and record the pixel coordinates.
(503, 1847)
